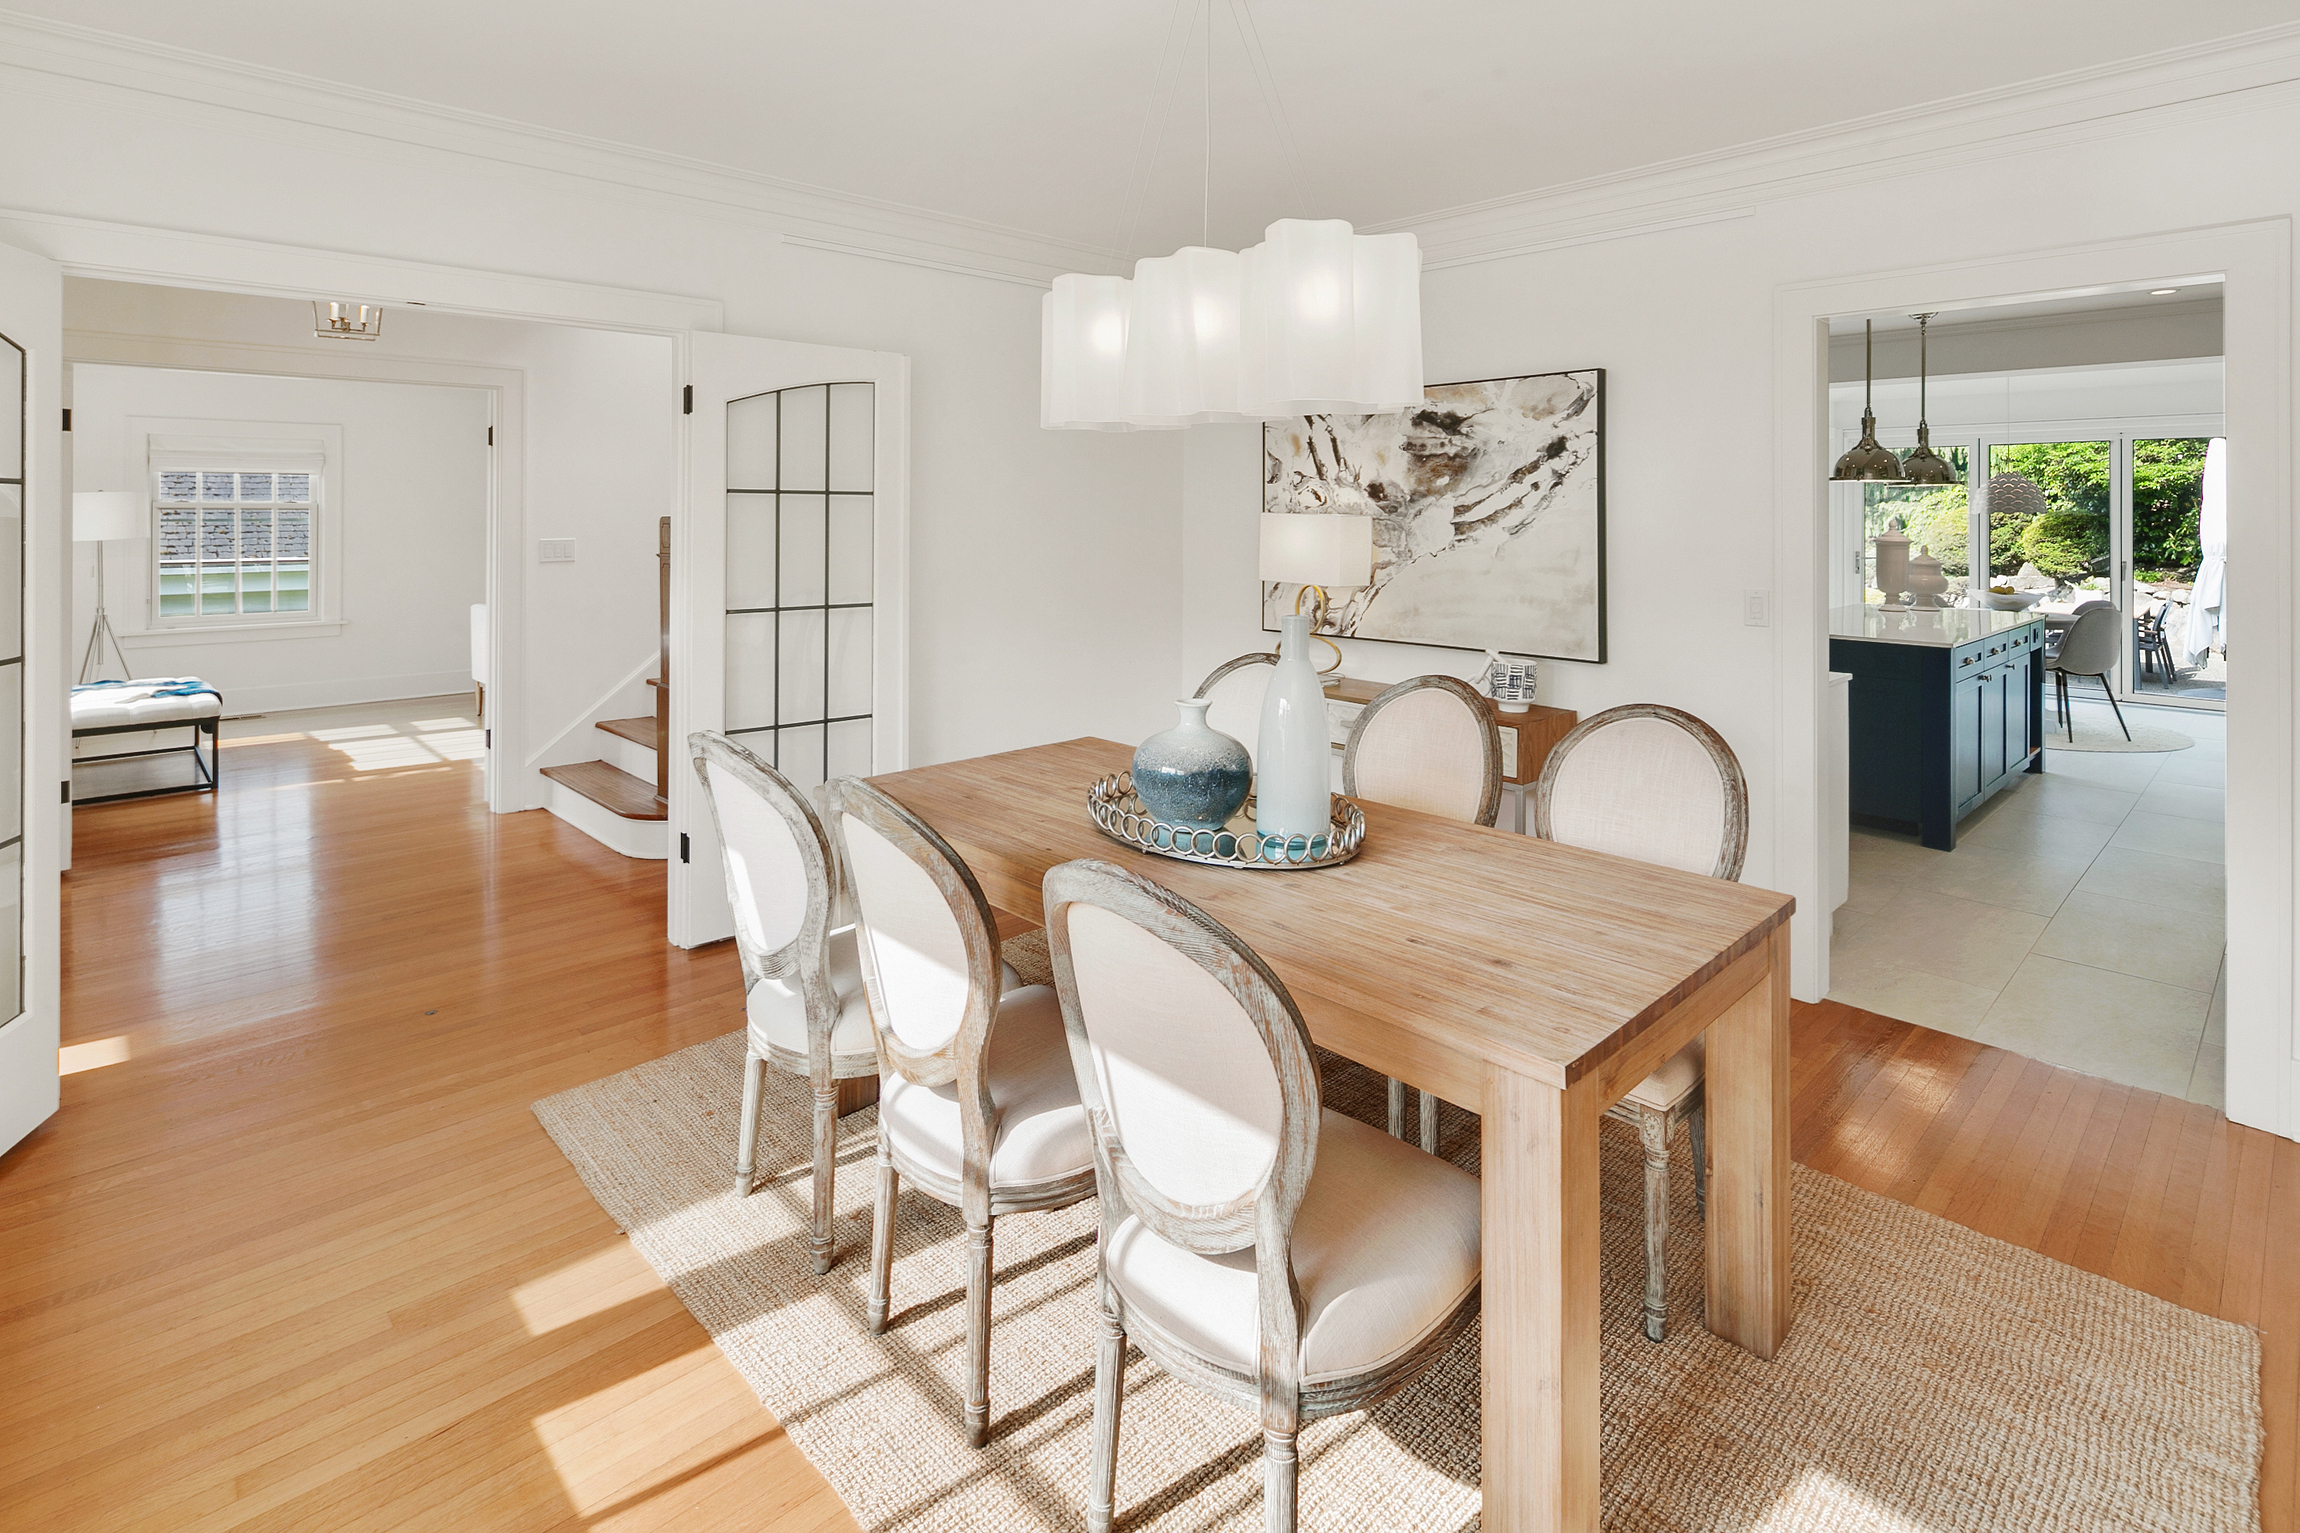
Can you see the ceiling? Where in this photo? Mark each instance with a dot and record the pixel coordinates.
(1032, 114)
(2130, 303)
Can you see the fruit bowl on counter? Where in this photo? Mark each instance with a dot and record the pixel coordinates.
(2010, 600)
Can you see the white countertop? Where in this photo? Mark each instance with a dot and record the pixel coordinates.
(1946, 626)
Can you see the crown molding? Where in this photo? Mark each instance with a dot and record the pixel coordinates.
(2253, 71)
(73, 63)
(87, 247)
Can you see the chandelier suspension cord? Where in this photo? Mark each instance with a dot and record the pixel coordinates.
(1159, 112)
(1265, 77)
(1206, 83)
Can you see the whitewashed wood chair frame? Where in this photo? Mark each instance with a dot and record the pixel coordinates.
(1681, 1099)
(961, 1061)
(771, 955)
(1382, 714)
(1261, 1217)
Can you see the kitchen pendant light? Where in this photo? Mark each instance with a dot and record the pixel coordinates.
(1923, 465)
(1865, 459)
(1317, 319)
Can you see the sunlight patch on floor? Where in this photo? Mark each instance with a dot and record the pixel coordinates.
(72, 1058)
(590, 1285)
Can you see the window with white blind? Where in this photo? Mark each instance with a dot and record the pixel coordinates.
(232, 544)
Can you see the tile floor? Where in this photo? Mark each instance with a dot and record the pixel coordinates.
(2080, 920)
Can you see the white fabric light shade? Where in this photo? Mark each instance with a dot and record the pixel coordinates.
(101, 516)
(1314, 320)
(1083, 325)
(1317, 550)
(2207, 625)
(1332, 321)
(1182, 339)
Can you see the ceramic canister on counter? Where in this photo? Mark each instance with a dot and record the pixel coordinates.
(1192, 774)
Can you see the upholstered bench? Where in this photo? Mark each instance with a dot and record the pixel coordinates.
(155, 706)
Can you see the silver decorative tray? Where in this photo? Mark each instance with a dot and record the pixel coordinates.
(1121, 815)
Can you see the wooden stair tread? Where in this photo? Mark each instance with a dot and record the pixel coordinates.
(638, 731)
(612, 789)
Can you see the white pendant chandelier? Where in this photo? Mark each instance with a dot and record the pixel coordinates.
(1317, 319)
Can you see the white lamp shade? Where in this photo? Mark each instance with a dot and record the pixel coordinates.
(1332, 321)
(1082, 353)
(1182, 339)
(1315, 550)
(100, 516)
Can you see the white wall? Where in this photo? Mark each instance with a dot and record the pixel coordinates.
(2166, 330)
(406, 506)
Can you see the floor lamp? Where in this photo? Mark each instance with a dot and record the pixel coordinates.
(99, 517)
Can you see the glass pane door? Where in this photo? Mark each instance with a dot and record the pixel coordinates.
(800, 526)
(2180, 643)
(12, 445)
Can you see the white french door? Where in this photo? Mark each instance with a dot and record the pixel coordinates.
(788, 579)
(32, 698)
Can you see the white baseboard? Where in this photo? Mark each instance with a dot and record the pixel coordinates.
(287, 696)
(649, 840)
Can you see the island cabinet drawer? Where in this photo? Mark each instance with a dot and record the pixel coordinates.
(1967, 659)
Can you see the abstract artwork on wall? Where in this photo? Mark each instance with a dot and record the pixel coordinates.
(1489, 514)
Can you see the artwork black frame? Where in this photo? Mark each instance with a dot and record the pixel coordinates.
(1333, 626)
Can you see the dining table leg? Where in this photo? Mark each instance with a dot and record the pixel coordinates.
(1746, 1089)
(1538, 1209)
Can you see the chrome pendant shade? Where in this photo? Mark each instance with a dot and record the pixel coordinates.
(1923, 465)
(1868, 459)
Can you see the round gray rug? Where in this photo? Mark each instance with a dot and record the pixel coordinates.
(2146, 739)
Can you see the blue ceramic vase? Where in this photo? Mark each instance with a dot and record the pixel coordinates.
(1193, 774)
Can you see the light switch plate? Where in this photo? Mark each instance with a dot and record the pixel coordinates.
(1757, 608)
(557, 550)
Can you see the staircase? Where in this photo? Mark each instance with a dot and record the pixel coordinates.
(623, 800)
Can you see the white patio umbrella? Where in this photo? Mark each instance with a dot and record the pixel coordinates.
(2208, 604)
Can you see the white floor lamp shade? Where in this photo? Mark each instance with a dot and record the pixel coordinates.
(103, 516)
(1083, 324)
(1182, 339)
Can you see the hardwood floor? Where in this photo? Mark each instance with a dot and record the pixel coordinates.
(302, 1259)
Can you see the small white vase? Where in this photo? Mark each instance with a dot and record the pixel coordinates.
(1291, 758)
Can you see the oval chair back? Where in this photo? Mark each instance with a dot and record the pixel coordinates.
(1430, 744)
(927, 942)
(781, 867)
(1194, 1067)
(2089, 647)
(1647, 782)
(1233, 692)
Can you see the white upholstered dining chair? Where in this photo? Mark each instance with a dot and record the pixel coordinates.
(1289, 1260)
(1428, 743)
(803, 997)
(1658, 785)
(978, 1107)
(1233, 692)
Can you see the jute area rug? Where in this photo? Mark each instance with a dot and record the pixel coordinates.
(2147, 739)
(1936, 1381)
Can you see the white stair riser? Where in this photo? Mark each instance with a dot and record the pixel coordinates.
(649, 840)
(628, 756)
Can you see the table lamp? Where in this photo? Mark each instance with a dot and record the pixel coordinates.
(99, 517)
(1315, 551)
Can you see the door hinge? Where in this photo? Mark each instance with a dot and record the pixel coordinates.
(487, 739)
(67, 417)
(491, 436)
(67, 790)
(682, 846)
(687, 400)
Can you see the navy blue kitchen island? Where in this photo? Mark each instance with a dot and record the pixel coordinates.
(1947, 706)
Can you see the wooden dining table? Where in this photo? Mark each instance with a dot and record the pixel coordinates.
(1531, 981)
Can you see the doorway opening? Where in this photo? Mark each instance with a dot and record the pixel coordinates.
(2061, 892)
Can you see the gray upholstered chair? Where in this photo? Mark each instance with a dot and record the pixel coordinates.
(977, 1104)
(1658, 785)
(1289, 1260)
(1233, 692)
(2088, 649)
(803, 992)
(1428, 743)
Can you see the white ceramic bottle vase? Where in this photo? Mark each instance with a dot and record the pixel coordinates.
(1291, 757)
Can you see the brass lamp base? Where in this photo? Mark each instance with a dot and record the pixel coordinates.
(1317, 616)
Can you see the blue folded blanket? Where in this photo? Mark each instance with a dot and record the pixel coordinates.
(90, 686)
(193, 690)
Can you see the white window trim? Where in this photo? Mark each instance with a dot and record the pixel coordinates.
(236, 444)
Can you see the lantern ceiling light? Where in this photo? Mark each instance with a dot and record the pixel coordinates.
(1317, 319)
